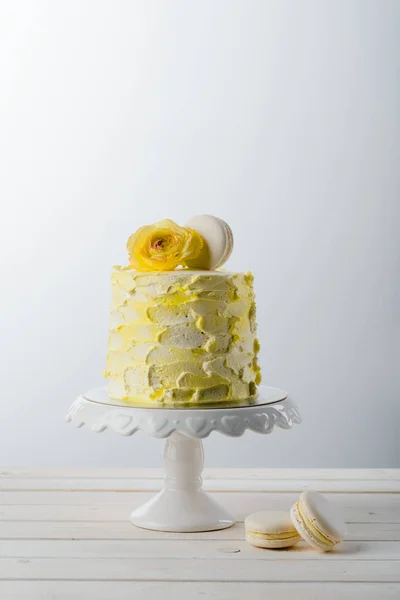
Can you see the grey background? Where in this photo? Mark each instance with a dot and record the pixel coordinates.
(280, 117)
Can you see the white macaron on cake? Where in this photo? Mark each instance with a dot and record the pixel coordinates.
(218, 242)
(271, 529)
(318, 521)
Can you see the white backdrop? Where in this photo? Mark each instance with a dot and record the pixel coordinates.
(280, 117)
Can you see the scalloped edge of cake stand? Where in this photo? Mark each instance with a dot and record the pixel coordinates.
(97, 412)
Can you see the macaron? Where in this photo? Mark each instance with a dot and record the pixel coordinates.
(271, 529)
(318, 521)
(218, 242)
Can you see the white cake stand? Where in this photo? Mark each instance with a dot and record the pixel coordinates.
(183, 506)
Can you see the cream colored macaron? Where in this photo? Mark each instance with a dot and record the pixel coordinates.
(218, 242)
(271, 529)
(318, 521)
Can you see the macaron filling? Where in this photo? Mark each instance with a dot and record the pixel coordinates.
(285, 535)
(311, 528)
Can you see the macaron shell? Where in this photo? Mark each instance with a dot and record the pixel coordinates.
(271, 529)
(306, 534)
(218, 242)
(325, 516)
(270, 522)
(229, 245)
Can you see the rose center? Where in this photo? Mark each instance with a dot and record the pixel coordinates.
(159, 244)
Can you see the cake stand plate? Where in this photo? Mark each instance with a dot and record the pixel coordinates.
(182, 505)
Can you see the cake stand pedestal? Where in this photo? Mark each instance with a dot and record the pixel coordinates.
(183, 505)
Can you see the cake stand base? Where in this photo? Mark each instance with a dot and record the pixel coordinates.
(182, 506)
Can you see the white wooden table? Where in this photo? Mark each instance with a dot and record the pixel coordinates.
(64, 534)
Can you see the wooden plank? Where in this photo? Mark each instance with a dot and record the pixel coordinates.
(380, 507)
(89, 498)
(223, 485)
(133, 569)
(209, 473)
(205, 549)
(68, 530)
(373, 508)
(111, 590)
(357, 508)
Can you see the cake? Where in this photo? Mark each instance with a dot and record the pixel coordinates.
(184, 337)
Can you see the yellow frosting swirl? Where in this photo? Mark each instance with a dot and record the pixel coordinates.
(163, 246)
(182, 338)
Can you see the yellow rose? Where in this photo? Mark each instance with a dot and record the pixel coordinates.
(163, 246)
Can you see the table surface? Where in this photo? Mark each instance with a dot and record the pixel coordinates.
(64, 534)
